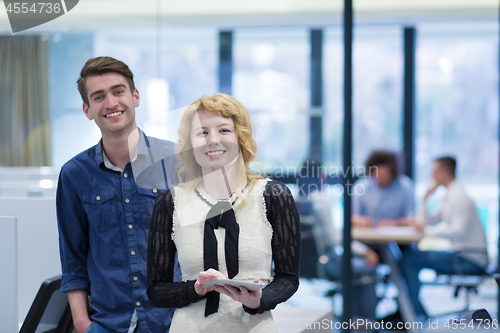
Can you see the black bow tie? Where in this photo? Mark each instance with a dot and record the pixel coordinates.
(220, 215)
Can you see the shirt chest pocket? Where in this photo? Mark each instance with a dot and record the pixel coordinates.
(147, 199)
(100, 207)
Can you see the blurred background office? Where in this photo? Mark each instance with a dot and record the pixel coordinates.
(284, 61)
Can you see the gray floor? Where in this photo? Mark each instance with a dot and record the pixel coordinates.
(437, 299)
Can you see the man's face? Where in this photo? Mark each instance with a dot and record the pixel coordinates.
(438, 173)
(111, 104)
(383, 175)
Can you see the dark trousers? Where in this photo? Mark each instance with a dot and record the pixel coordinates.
(441, 262)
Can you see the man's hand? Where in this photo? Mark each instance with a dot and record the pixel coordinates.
(410, 222)
(404, 221)
(388, 223)
(431, 189)
(361, 221)
(246, 297)
(78, 301)
(82, 325)
(205, 277)
(371, 257)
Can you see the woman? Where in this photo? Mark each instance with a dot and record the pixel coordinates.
(223, 222)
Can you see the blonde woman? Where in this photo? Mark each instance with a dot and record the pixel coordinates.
(223, 222)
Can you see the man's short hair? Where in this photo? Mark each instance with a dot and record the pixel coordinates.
(383, 157)
(100, 66)
(448, 163)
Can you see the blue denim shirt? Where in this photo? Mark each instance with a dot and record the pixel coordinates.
(103, 220)
(395, 201)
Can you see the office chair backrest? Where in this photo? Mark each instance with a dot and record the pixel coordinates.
(477, 315)
(50, 312)
(497, 279)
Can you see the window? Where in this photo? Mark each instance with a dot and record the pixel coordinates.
(377, 98)
(457, 111)
(185, 71)
(377, 92)
(271, 79)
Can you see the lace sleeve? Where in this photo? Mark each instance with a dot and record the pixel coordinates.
(283, 216)
(162, 291)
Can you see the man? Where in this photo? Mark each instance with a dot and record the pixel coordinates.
(457, 220)
(385, 197)
(104, 216)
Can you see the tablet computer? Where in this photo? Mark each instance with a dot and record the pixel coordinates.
(252, 286)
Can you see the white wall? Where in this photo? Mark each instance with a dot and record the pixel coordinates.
(9, 276)
(28, 181)
(38, 247)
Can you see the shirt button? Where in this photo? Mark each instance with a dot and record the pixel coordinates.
(135, 278)
(130, 226)
(125, 175)
(138, 303)
(127, 200)
(132, 252)
(98, 198)
(155, 190)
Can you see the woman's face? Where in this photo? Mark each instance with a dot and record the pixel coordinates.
(214, 140)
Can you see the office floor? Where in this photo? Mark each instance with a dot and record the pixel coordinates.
(437, 299)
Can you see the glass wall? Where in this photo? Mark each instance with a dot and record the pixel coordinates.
(457, 111)
(377, 92)
(170, 73)
(377, 99)
(271, 79)
(457, 95)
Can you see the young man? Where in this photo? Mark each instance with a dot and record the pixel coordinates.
(385, 197)
(456, 220)
(104, 215)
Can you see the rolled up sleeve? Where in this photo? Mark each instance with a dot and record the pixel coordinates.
(73, 235)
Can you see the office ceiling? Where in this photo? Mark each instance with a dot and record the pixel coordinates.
(93, 14)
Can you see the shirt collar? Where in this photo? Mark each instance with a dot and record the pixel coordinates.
(142, 148)
(452, 185)
(141, 160)
(140, 155)
(108, 164)
(99, 153)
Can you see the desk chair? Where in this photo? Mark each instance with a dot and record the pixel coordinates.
(480, 316)
(460, 281)
(364, 281)
(50, 311)
(319, 260)
(310, 249)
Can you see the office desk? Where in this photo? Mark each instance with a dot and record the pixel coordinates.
(384, 235)
(389, 238)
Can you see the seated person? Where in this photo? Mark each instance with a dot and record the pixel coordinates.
(457, 220)
(387, 198)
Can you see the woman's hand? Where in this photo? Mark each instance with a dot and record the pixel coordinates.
(246, 297)
(205, 277)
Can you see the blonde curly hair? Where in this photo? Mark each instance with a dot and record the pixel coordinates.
(228, 107)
